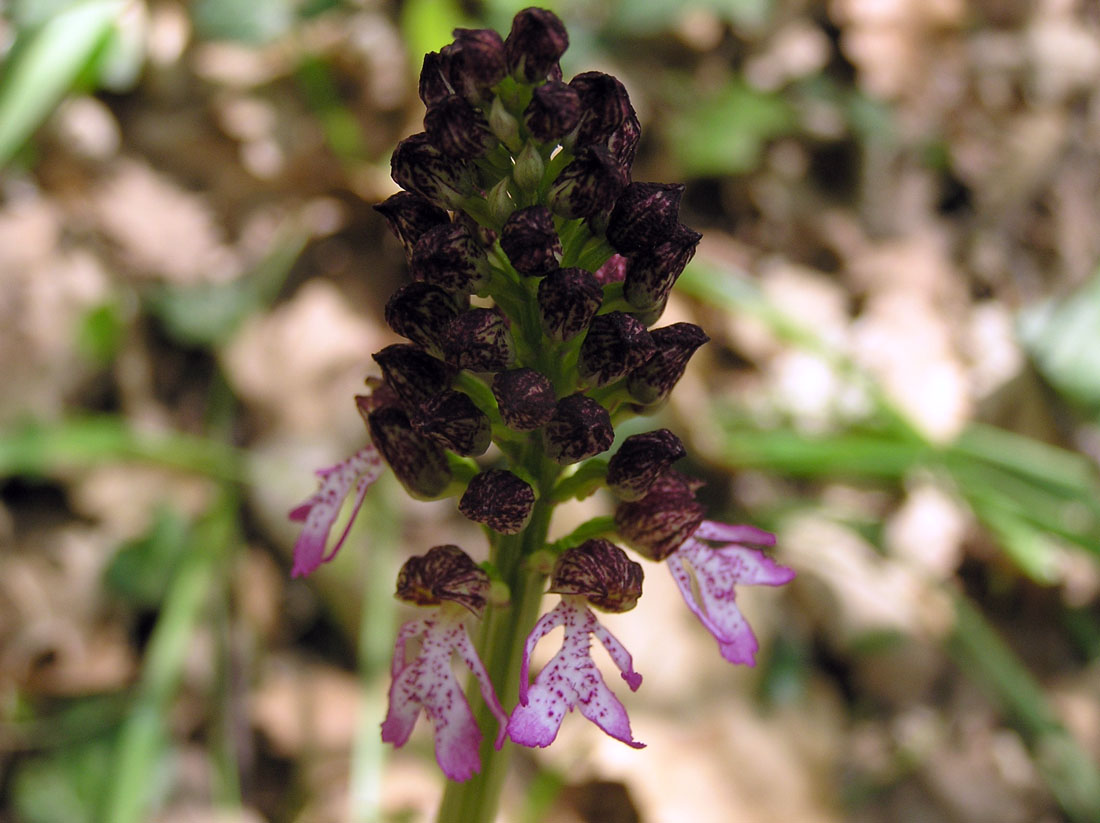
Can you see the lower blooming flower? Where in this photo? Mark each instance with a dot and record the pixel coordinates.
(445, 577)
(715, 572)
(319, 513)
(571, 680)
(600, 572)
(427, 682)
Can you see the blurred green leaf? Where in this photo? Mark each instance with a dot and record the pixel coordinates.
(45, 62)
(1063, 338)
(247, 21)
(101, 332)
(427, 26)
(141, 569)
(650, 17)
(725, 133)
(38, 449)
(65, 786)
(207, 314)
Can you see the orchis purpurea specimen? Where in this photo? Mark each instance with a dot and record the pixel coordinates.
(518, 193)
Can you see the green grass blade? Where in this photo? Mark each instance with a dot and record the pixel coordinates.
(42, 68)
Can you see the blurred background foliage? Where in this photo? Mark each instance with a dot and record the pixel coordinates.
(899, 274)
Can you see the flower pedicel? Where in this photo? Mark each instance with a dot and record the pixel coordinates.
(519, 191)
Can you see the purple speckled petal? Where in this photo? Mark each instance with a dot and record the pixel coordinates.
(715, 573)
(427, 682)
(320, 511)
(571, 679)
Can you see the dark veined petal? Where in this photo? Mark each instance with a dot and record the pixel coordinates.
(419, 463)
(640, 461)
(531, 241)
(616, 344)
(568, 300)
(599, 571)
(525, 398)
(479, 340)
(455, 422)
(654, 380)
(498, 499)
(580, 428)
(443, 573)
(535, 44)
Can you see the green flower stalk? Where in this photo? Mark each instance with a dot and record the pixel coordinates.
(519, 192)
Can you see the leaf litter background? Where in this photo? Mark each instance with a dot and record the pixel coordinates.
(899, 274)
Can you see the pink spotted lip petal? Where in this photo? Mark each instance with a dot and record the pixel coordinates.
(571, 680)
(428, 683)
(320, 511)
(715, 574)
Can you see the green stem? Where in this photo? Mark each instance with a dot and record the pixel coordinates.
(504, 632)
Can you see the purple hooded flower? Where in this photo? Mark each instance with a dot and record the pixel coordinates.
(479, 340)
(531, 242)
(411, 216)
(571, 679)
(445, 576)
(420, 166)
(525, 398)
(553, 111)
(652, 381)
(616, 344)
(449, 258)
(476, 61)
(707, 578)
(580, 428)
(644, 215)
(320, 511)
(640, 461)
(589, 185)
(458, 129)
(536, 43)
(500, 500)
(568, 300)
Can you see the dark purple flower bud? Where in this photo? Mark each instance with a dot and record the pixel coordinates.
(458, 129)
(421, 313)
(531, 242)
(525, 398)
(623, 144)
(656, 525)
(483, 236)
(413, 374)
(616, 344)
(604, 105)
(600, 571)
(420, 166)
(479, 340)
(499, 500)
(418, 463)
(537, 41)
(589, 185)
(568, 300)
(444, 573)
(434, 78)
(640, 461)
(453, 421)
(450, 259)
(476, 61)
(380, 395)
(410, 216)
(553, 111)
(613, 270)
(580, 428)
(644, 215)
(654, 272)
(653, 380)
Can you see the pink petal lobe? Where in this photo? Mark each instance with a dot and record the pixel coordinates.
(320, 511)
